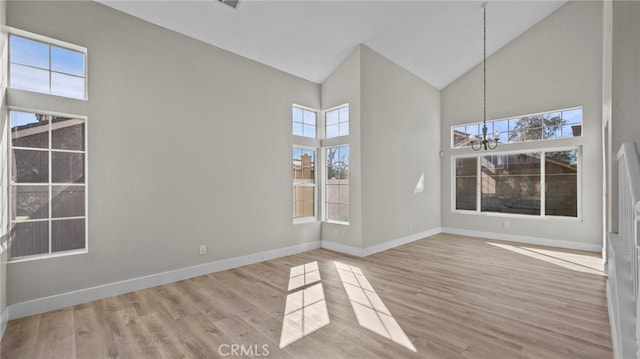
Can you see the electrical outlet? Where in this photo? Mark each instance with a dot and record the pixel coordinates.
(410, 225)
(335, 232)
(203, 249)
(505, 224)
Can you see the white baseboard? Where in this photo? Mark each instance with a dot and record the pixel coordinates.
(41, 305)
(3, 321)
(363, 252)
(525, 239)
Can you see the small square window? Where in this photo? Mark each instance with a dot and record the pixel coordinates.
(40, 67)
(304, 122)
(337, 122)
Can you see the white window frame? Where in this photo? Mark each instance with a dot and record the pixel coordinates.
(56, 43)
(51, 254)
(542, 215)
(314, 218)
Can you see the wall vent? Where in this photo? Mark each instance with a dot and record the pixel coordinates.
(232, 3)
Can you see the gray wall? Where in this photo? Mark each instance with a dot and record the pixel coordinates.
(624, 96)
(344, 86)
(400, 144)
(556, 64)
(625, 109)
(188, 144)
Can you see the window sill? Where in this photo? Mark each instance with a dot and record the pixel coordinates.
(48, 255)
(305, 220)
(337, 222)
(515, 215)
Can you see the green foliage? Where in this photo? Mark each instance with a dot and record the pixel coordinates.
(537, 128)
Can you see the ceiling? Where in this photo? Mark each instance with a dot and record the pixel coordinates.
(436, 40)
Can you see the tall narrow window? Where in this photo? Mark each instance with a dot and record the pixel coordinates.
(466, 178)
(304, 183)
(304, 122)
(48, 187)
(337, 184)
(337, 122)
(40, 67)
(561, 183)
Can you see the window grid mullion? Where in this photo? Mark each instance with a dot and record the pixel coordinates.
(50, 172)
(543, 184)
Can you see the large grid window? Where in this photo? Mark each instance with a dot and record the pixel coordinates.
(542, 183)
(48, 184)
(41, 67)
(337, 122)
(536, 127)
(304, 122)
(337, 184)
(304, 183)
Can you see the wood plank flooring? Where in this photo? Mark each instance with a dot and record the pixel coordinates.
(453, 296)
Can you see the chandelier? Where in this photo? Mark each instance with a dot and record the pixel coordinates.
(484, 141)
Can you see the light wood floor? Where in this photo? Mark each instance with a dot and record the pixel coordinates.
(454, 297)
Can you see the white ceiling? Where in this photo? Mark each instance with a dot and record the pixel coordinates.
(436, 40)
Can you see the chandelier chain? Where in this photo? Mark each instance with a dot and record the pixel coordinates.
(484, 65)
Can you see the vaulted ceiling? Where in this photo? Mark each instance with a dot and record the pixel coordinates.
(436, 40)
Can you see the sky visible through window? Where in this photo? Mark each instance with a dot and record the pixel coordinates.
(541, 126)
(44, 68)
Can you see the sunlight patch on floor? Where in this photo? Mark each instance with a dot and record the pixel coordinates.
(305, 310)
(370, 311)
(573, 261)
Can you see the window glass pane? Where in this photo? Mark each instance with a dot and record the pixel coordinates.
(344, 129)
(460, 137)
(332, 131)
(297, 129)
(67, 134)
(344, 114)
(67, 167)
(66, 85)
(466, 179)
(561, 183)
(309, 131)
(67, 234)
(343, 196)
(309, 118)
(337, 122)
(29, 78)
(574, 130)
(513, 187)
(297, 114)
(67, 61)
(303, 183)
(30, 166)
(332, 118)
(28, 52)
(67, 201)
(573, 116)
(309, 202)
(30, 202)
(29, 238)
(303, 166)
(502, 126)
(29, 130)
